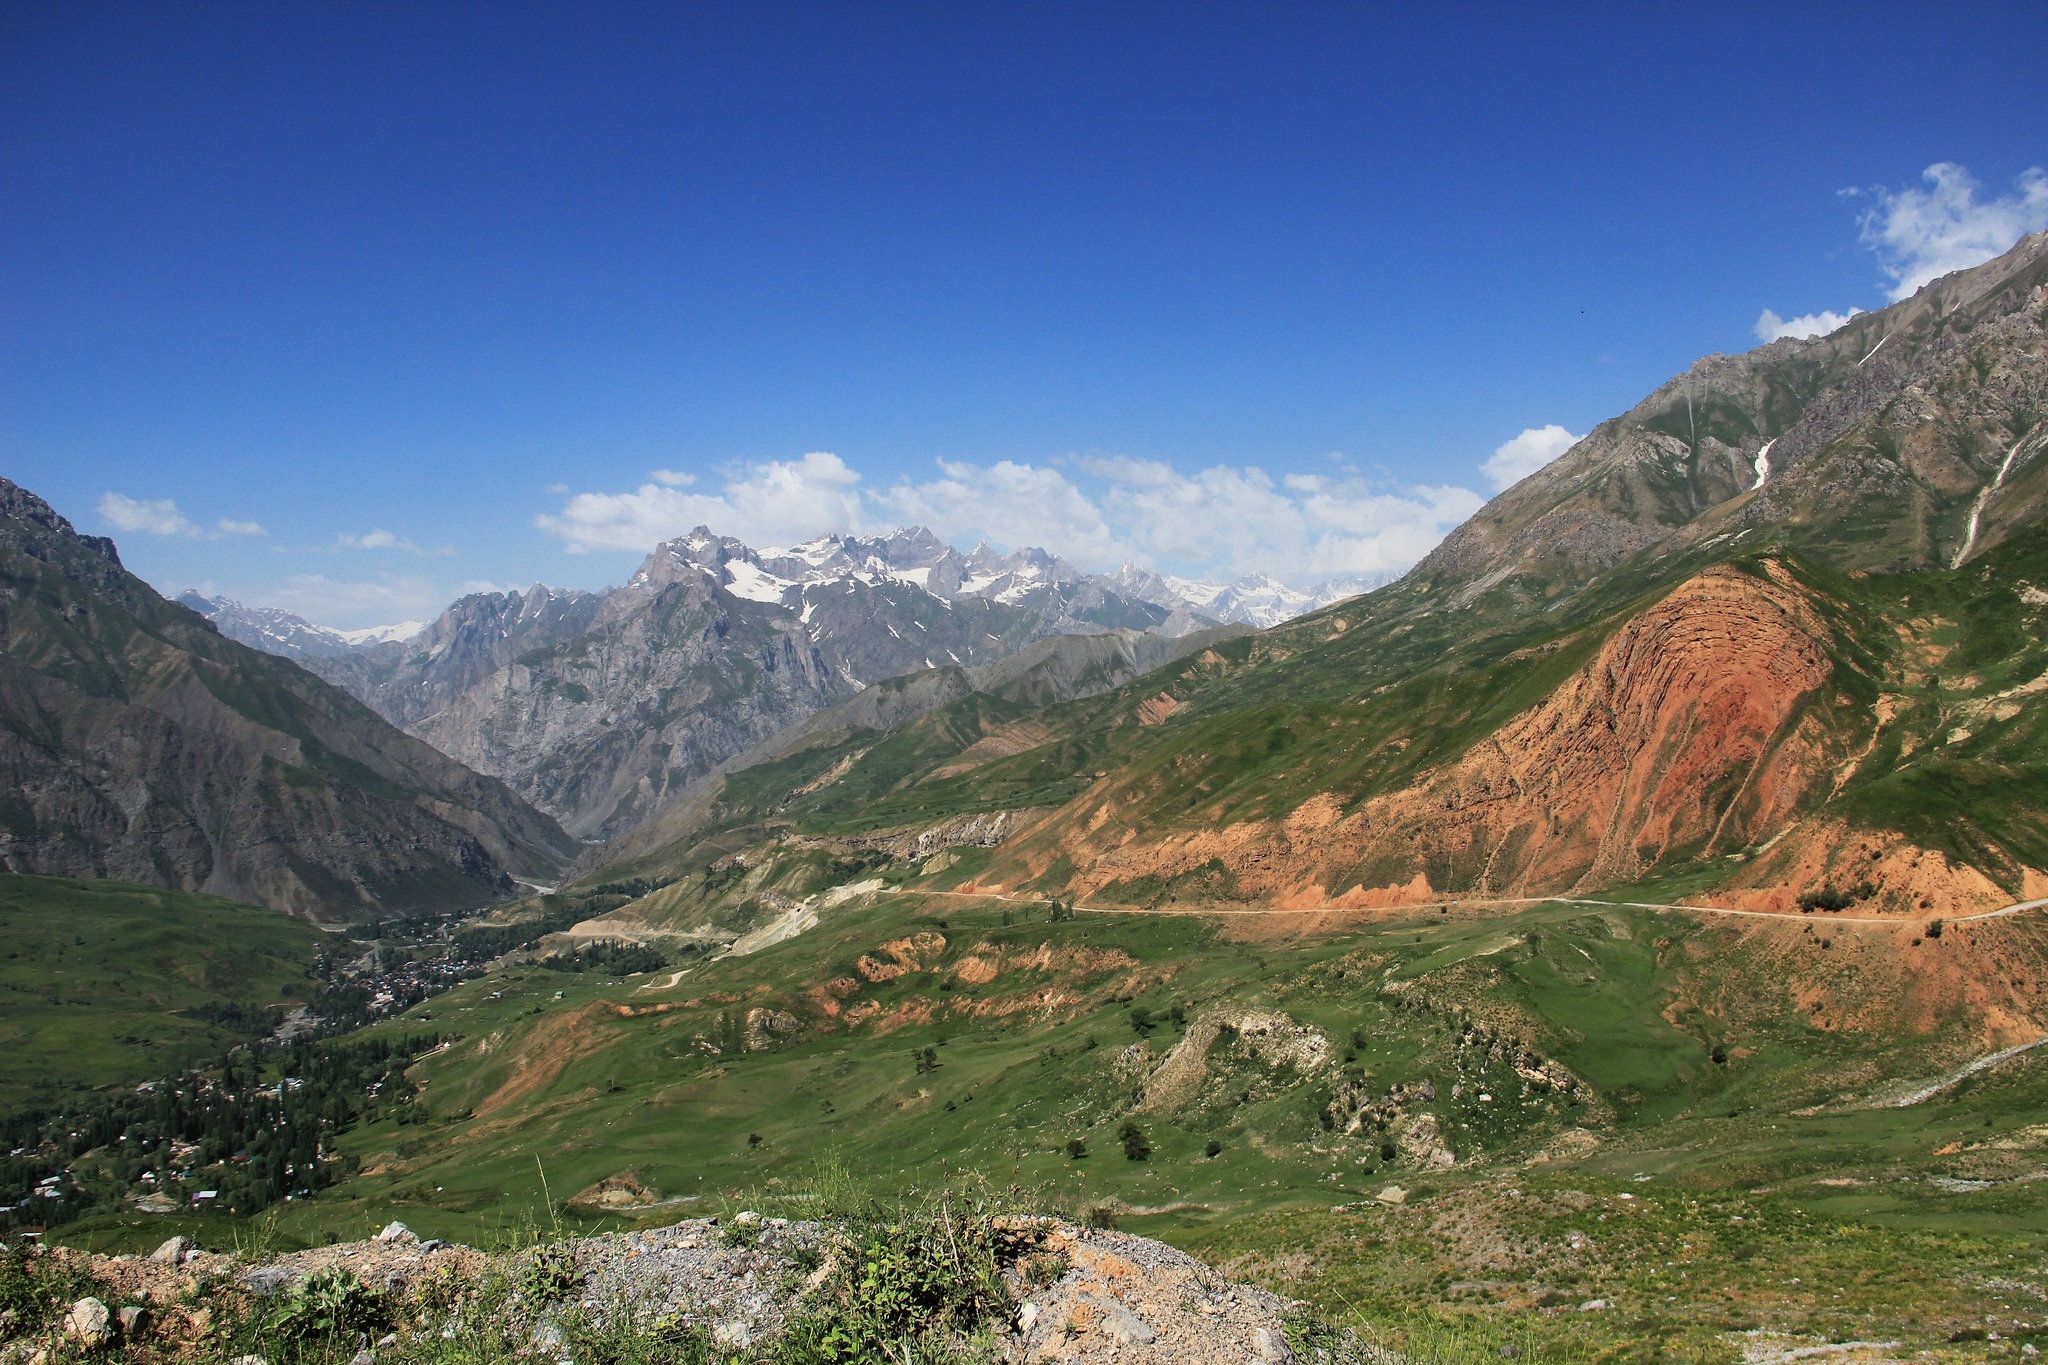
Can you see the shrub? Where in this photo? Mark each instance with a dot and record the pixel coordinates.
(1136, 1147)
(36, 1288)
(1212, 1148)
(1076, 1149)
(912, 1286)
(328, 1304)
(550, 1273)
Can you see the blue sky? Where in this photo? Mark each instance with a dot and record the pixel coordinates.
(351, 307)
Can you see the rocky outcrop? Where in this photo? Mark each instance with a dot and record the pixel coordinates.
(1059, 1292)
(138, 743)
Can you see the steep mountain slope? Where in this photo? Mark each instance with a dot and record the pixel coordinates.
(1061, 668)
(137, 742)
(477, 638)
(1907, 439)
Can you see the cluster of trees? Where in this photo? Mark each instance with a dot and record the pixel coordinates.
(617, 959)
(1831, 901)
(254, 1128)
(495, 940)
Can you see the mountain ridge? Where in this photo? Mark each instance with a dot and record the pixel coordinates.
(138, 742)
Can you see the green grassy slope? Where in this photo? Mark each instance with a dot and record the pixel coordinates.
(697, 1096)
(104, 983)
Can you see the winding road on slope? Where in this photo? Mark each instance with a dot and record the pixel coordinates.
(1830, 918)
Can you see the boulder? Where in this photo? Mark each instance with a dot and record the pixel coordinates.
(89, 1323)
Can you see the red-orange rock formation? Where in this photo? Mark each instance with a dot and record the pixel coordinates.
(1697, 727)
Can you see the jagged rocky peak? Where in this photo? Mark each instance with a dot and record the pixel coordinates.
(18, 504)
(502, 613)
(900, 552)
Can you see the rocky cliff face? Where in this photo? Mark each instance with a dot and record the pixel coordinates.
(137, 742)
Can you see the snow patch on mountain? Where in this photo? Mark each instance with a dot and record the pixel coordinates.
(377, 635)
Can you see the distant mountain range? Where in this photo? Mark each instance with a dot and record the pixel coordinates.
(277, 631)
(599, 706)
(911, 556)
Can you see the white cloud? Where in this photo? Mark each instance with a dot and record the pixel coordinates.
(344, 605)
(1771, 327)
(1515, 460)
(160, 518)
(380, 539)
(1302, 529)
(763, 504)
(1010, 505)
(674, 478)
(1095, 512)
(1923, 234)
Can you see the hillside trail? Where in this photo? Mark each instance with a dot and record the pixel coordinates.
(1448, 904)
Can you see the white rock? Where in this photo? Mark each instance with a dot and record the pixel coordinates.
(1593, 1305)
(89, 1323)
(397, 1232)
(1026, 1316)
(172, 1251)
(1269, 1345)
(734, 1334)
(1119, 1323)
(248, 1360)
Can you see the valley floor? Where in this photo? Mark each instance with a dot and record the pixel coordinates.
(1567, 1130)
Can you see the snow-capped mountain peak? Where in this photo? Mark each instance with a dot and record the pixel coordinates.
(277, 631)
